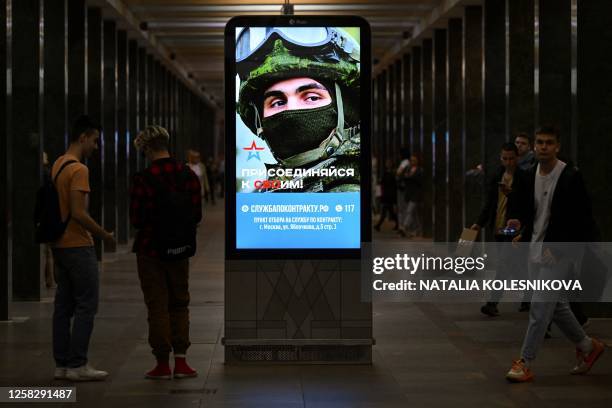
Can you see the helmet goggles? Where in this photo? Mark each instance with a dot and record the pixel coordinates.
(253, 44)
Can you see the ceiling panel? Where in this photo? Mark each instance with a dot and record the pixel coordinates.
(192, 30)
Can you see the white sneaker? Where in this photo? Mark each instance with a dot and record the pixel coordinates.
(60, 373)
(85, 373)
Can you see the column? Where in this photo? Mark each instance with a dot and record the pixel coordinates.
(5, 171)
(187, 118)
(26, 145)
(201, 137)
(399, 107)
(162, 95)
(122, 139)
(143, 98)
(456, 190)
(151, 91)
(407, 130)
(417, 131)
(473, 105)
(384, 99)
(157, 85)
(427, 133)
(94, 109)
(554, 64)
(132, 116)
(133, 100)
(165, 99)
(184, 140)
(193, 123)
(440, 148)
(521, 102)
(392, 152)
(182, 103)
(180, 117)
(173, 114)
(594, 104)
(110, 128)
(77, 40)
(494, 82)
(54, 104)
(379, 120)
(209, 120)
(375, 110)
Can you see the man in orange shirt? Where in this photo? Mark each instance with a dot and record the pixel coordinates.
(76, 265)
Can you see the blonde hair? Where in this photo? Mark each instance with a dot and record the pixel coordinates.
(154, 137)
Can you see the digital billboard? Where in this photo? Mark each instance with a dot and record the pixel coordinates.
(298, 137)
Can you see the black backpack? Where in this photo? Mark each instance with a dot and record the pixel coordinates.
(174, 227)
(48, 223)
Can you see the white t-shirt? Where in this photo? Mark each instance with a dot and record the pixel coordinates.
(543, 194)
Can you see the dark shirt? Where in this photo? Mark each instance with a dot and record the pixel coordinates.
(389, 188)
(571, 217)
(414, 185)
(527, 161)
(488, 214)
(142, 198)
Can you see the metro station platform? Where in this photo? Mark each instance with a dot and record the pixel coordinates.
(426, 355)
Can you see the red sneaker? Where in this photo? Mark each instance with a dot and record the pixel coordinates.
(584, 363)
(182, 369)
(160, 372)
(519, 372)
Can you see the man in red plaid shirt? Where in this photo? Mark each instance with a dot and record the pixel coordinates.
(164, 282)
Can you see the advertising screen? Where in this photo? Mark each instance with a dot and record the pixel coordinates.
(297, 137)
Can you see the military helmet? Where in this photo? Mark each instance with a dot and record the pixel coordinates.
(265, 56)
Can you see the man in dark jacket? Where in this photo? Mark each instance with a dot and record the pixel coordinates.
(501, 200)
(557, 210)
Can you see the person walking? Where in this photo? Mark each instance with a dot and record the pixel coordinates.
(413, 197)
(501, 200)
(196, 165)
(559, 212)
(401, 173)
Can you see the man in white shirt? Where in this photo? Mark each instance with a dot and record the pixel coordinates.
(196, 165)
(557, 210)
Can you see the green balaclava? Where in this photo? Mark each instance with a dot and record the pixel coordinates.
(294, 131)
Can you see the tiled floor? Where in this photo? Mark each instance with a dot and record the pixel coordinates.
(427, 355)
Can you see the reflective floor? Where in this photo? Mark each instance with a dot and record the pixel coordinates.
(426, 355)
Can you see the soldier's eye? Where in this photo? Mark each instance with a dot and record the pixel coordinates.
(276, 103)
(312, 97)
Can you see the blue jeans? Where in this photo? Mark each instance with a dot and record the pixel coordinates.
(76, 273)
(549, 307)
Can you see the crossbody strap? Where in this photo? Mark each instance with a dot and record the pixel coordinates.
(62, 168)
(69, 162)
